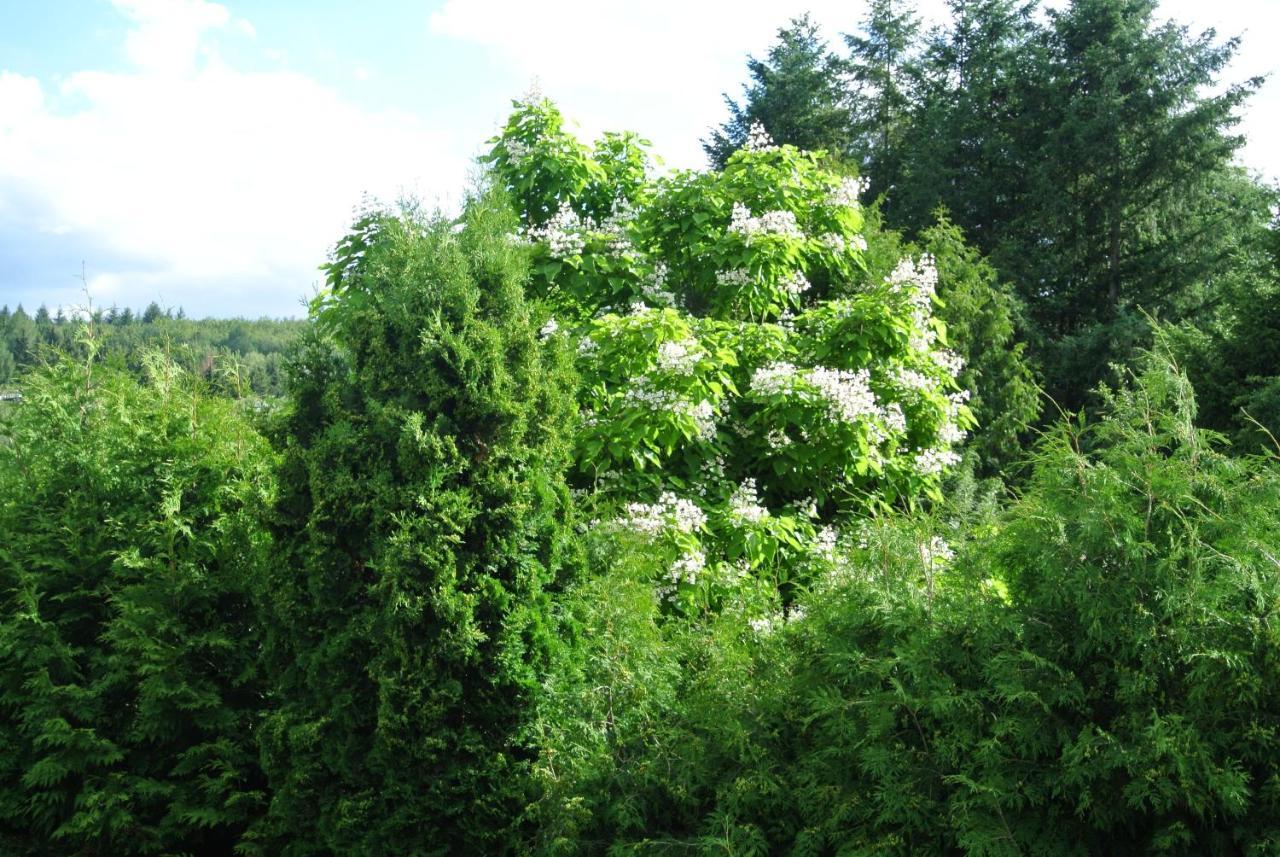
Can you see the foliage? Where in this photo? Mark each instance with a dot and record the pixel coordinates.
(796, 94)
(421, 523)
(1092, 673)
(1084, 149)
(883, 68)
(746, 381)
(129, 680)
(254, 349)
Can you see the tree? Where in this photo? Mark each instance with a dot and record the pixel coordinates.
(797, 96)
(129, 680)
(422, 521)
(881, 71)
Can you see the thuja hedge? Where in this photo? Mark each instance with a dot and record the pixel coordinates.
(130, 687)
(387, 635)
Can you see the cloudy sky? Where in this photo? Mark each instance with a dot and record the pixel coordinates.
(206, 155)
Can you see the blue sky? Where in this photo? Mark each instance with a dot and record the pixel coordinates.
(206, 155)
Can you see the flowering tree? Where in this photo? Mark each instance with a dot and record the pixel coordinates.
(747, 386)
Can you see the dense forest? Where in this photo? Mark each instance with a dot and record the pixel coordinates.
(905, 482)
(234, 352)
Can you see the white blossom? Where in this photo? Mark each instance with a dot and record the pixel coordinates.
(758, 140)
(910, 379)
(652, 519)
(949, 361)
(562, 233)
(680, 356)
(704, 416)
(549, 328)
(775, 379)
(783, 223)
(824, 544)
(848, 193)
(795, 284)
(734, 279)
(744, 505)
(848, 393)
(688, 567)
(931, 462)
(653, 286)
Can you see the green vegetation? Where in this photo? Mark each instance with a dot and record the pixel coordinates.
(714, 512)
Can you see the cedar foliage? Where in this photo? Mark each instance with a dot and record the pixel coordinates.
(129, 686)
(1093, 673)
(421, 524)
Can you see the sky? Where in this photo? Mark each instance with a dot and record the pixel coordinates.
(207, 155)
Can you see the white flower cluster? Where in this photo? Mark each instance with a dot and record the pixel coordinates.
(949, 433)
(824, 544)
(796, 284)
(653, 519)
(548, 329)
(680, 357)
(704, 416)
(910, 379)
(735, 279)
(744, 505)
(770, 223)
(641, 393)
(774, 379)
(849, 192)
(517, 152)
(848, 393)
(931, 462)
(777, 439)
(758, 140)
(833, 242)
(563, 233)
(614, 229)
(654, 286)
(687, 568)
(918, 278)
(948, 361)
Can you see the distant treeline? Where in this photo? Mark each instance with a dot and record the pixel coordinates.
(242, 353)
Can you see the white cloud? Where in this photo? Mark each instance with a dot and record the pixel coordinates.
(197, 176)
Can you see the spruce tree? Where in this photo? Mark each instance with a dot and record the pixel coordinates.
(421, 525)
(796, 94)
(881, 64)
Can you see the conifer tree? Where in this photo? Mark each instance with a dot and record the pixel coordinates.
(796, 94)
(129, 687)
(881, 64)
(421, 525)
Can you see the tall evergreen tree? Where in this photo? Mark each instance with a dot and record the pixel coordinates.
(421, 525)
(963, 150)
(796, 93)
(881, 59)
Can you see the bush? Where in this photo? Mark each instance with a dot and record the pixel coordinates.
(129, 685)
(421, 524)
